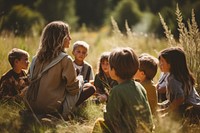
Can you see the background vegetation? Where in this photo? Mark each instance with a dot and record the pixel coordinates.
(103, 37)
(24, 17)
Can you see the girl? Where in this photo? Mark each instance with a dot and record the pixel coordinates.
(180, 81)
(54, 86)
(103, 81)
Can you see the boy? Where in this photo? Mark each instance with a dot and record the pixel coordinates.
(127, 110)
(14, 82)
(145, 74)
(80, 51)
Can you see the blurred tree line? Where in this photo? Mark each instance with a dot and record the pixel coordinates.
(23, 17)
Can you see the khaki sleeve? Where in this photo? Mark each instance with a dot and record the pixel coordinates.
(69, 75)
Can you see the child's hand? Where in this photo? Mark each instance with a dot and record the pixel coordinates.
(21, 82)
(23, 92)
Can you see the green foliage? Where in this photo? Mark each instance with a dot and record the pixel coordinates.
(189, 39)
(96, 13)
(20, 20)
(127, 10)
(91, 12)
(53, 10)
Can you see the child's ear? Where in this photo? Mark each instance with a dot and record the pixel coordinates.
(142, 73)
(16, 62)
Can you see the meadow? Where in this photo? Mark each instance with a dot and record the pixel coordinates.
(83, 119)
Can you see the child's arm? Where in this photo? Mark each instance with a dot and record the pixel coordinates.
(175, 104)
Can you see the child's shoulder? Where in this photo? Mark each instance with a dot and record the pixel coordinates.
(87, 64)
(172, 81)
(7, 75)
(127, 84)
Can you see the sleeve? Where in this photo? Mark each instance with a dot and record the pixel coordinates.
(69, 75)
(98, 84)
(91, 74)
(175, 89)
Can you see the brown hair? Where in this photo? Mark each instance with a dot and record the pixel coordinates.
(149, 65)
(14, 54)
(104, 57)
(52, 40)
(175, 56)
(124, 61)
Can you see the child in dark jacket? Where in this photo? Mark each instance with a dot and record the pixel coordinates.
(103, 81)
(14, 82)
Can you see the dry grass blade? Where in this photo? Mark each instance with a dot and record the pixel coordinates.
(168, 33)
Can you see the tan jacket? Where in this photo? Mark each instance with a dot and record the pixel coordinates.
(151, 94)
(55, 84)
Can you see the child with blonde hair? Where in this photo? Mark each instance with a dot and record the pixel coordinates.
(80, 52)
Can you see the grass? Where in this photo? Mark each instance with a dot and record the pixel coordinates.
(83, 119)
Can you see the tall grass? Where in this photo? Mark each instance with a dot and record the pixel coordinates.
(189, 40)
(103, 40)
(11, 121)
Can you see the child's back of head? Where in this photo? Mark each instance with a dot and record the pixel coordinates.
(124, 61)
(149, 65)
(16, 53)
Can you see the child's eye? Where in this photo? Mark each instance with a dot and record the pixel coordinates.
(78, 51)
(83, 52)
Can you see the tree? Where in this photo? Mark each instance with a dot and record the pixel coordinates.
(91, 12)
(53, 10)
(127, 10)
(20, 20)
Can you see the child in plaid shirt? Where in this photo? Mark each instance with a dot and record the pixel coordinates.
(14, 82)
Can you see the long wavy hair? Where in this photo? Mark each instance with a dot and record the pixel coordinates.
(175, 56)
(52, 40)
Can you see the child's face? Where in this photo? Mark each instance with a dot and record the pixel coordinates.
(80, 53)
(113, 74)
(164, 66)
(105, 66)
(22, 63)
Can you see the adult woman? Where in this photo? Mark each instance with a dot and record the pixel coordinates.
(54, 85)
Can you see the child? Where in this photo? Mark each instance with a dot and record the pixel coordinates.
(180, 82)
(103, 81)
(14, 82)
(161, 87)
(80, 51)
(54, 87)
(127, 109)
(145, 74)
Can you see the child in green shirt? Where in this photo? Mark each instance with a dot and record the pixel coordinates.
(127, 110)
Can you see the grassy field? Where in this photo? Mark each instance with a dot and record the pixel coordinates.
(85, 116)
